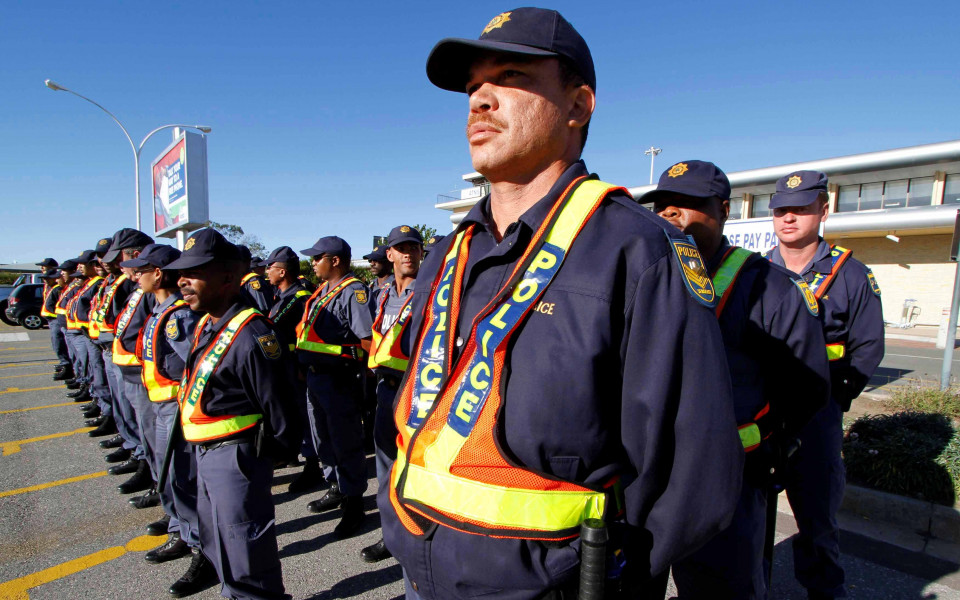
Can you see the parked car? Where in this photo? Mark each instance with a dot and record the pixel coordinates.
(6, 290)
(24, 304)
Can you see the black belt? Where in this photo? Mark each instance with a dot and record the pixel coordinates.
(213, 445)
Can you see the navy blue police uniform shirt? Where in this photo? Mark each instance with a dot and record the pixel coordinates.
(131, 373)
(117, 304)
(259, 293)
(346, 319)
(851, 313)
(287, 311)
(774, 343)
(619, 370)
(85, 299)
(251, 379)
(176, 337)
(391, 313)
(377, 289)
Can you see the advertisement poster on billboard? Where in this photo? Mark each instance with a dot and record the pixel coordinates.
(179, 183)
(753, 234)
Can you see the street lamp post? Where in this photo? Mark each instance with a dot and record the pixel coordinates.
(136, 149)
(652, 152)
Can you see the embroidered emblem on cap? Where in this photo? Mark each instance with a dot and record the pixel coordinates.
(496, 23)
(361, 296)
(808, 297)
(189, 244)
(172, 329)
(794, 181)
(104, 242)
(432, 240)
(269, 345)
(404, 229)
(678, 169)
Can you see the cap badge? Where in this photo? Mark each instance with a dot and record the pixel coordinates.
(103, 242)
(190, 243)
(404, 229)
(678, 169)
(496, 23)
(794, 181)
(432, 240)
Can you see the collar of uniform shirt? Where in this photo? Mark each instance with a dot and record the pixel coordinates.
(534, 216)
(821, 262)
(212, 329)
(714, 263)
(292, 289)
(160, 307)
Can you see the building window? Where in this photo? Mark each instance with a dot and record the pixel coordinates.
(886, 194)
(760, 207)
(895, 193)
(921, 192)
(951, 190)
(849, 198)
(736, 207)
(871, 196)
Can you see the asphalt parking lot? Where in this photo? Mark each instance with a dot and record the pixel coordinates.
(66, 532)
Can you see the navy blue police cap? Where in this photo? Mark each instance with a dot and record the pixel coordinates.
(432, 242)
(404, 233)
(126, 238)
(87, 256)
(522, 32)
(206, 245)
(799, 188)
(696, 178)
(47, 263)
(283, 254)
(256, 261)
(331, 244)
(51, 274)
(103, 244)
(154, 255)
(68, 265)
(379, 253)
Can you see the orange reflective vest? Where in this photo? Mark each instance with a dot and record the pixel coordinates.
(197, 426)
(74, 322)
(449, 469)
(47, 290)
(159, 387)
(307, 338)
(122, 356)
(98, 317)
(385, 348)
(63, 303)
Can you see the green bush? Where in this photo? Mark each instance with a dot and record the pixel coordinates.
(908, 453)
(928, 400)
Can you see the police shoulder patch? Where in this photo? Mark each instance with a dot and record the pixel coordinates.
(172, 329)
(694, 272)
(255, 284)
(874, 286)
(809, 299)
(361, 296)
(270, 346)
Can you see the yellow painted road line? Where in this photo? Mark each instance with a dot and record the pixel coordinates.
(8, 448)
(14, 366)
(17, 589)
(12, 348)
(47, 351)
(16, 389)
(16, 410)
(43, 486)
(24, 375)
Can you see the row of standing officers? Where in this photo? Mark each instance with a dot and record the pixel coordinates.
(568, 358)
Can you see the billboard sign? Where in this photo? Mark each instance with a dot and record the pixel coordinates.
(753, 234)
(179, 184)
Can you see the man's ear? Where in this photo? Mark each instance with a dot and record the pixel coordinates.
(584, 102)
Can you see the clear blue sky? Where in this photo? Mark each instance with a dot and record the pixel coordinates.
(324, 122)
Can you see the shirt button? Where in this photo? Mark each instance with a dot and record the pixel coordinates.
(415, 587)
(459, 342)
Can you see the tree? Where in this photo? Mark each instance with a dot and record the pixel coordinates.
(236, 235)
(426, 232)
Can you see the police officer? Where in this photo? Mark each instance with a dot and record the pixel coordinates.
(235, 409)
(382, 271)
(70, 287)
(283, 273)
(853, 330)
(332, 340)
(431, 243)
(53, 279)
(255, 286)
(133, 311)
(258, 266)
(78, 310)
(535, 397)
(768, 318)
(390, 352)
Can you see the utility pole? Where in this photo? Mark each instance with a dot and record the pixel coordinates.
(652, 152)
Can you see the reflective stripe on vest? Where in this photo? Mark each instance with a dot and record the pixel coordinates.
(67, 296)
(385, 349)
(727, 273)
(247, 278)
(307, 338)
(836, 351)
(821, 283)
(99, 317)
(159, 387)
(286, 308)
(121, 356)
(73, 319)
(431, 476)
(198, 427)
(46, 296)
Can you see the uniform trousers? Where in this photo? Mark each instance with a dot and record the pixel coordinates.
(307, 447)
(237, 520)
(134, 396)
(730, 566)
(99, 388)
(385, 429)
(815, 479)
(179, 493)
(114, 381)
(57, 342)
(75, 339)
(336, 424)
